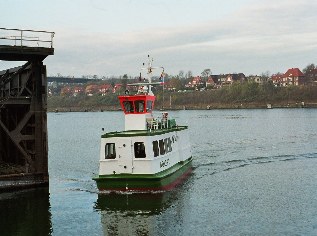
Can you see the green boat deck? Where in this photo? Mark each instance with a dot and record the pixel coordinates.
(148, 132)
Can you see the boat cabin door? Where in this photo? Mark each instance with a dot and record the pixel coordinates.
(125, 153)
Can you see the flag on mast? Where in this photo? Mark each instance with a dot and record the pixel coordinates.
(162, 78)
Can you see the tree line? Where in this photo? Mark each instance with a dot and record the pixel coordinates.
(237, 95)
(247, 94)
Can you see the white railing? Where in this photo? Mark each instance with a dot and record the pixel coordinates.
(26, 38)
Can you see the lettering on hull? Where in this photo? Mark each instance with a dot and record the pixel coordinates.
(164, 163)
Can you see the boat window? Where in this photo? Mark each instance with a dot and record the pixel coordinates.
(139, 150)
(149, 105)
(162, 149)
(168, 145)
(155, 148)
(139, 106)
(128, 106)
(110, 151)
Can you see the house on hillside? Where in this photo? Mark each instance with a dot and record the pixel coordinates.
(116, 88)
(240, 77)
(232, 78)
(293, 76)
(104, 89)
(222, 79)
(78, 91)
(91, 89)
(277, 79)
(196, 82)
(211, 82)
(257, 79)
(215, 78)
(66, 91)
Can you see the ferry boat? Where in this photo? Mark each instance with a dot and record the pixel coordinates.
(152, 153)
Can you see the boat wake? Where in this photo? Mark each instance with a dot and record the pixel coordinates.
(212, 168)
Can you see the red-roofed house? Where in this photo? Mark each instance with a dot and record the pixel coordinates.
(91, 89)
(210, 82)
(197, 81)
(116, 87)
(293, 77)
(77, 91)
(66, 91)
(104, 89)
(231, 78)
(277, 79)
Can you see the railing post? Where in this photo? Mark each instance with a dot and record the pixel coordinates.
(21, 37)
(52, 36)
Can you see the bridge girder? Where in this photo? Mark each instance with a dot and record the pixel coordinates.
(23, 128)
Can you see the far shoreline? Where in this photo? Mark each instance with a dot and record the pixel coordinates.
(190, 107)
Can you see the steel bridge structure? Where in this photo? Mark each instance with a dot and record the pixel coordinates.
(23, 101)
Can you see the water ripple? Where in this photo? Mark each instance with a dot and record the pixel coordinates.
(212, 168)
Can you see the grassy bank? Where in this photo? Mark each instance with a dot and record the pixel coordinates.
(238, 96)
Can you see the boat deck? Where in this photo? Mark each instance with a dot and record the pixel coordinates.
(148, 132)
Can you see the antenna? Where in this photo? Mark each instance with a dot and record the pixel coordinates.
(149, 70)
(162, 75)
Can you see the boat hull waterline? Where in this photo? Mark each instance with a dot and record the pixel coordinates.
(163, 181)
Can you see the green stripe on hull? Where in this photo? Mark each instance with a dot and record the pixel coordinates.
(161, 180)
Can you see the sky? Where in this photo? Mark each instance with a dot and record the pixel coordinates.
(114, 37)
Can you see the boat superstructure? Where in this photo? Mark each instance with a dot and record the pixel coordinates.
(151, 153)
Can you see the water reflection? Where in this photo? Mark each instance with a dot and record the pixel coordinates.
(25, 213)
(134, 213)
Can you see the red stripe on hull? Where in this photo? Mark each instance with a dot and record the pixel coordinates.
(168, 187)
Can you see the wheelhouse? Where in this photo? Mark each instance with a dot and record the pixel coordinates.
(137, 104)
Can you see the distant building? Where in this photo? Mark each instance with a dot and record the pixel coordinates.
(116, 88)
(196, 82)
(66, 91)
(257, 79)
(293, 76)
(211, 81)
(232, 78)
(104, 89)
(91, 89)
(277, 79)
(216, 80)
(78, 91)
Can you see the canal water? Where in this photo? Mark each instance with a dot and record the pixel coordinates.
(254, 173)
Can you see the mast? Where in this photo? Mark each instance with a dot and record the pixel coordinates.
(149, 70)
(149, 74)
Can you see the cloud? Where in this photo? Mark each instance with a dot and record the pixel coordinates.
(265, 35)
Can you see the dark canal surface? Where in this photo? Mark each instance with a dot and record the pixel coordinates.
(254, 173)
